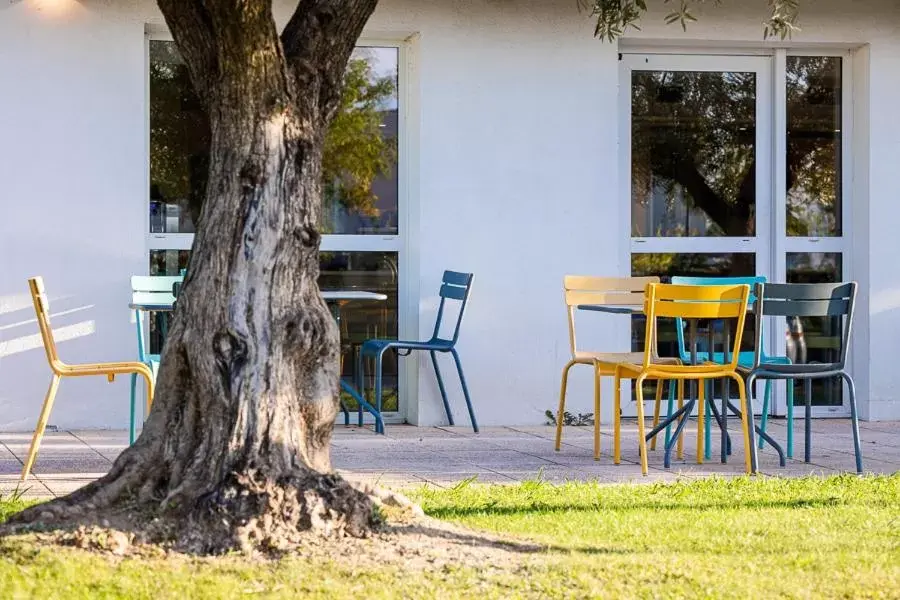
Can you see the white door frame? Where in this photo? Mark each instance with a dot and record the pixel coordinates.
(401, 243)
(785, 244)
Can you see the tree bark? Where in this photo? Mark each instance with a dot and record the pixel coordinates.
(235, 452)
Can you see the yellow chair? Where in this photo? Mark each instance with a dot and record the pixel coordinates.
(61, 369)
(686, 302)
(613, 293)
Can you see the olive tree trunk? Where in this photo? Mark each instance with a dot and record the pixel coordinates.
(235, 451)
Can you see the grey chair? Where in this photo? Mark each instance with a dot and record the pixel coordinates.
(805, 300)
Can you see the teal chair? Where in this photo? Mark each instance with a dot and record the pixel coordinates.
(746, 360)
(148, 291)
(455, 288)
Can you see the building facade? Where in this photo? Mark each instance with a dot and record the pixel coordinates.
(525, 150)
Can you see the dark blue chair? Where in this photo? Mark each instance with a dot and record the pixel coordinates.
(833, 300)
(455, 288)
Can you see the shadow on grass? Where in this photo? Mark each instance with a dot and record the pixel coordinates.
(517, 546)
(543, 508)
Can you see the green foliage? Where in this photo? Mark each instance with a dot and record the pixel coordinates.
(579, 420)
(356, 152)
(614, 17)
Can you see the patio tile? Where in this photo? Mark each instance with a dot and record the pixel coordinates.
(449, 479)
(442, 456)
(497, 460)
(71, 463)
(398, 462)
(31, 489)
(63, 487)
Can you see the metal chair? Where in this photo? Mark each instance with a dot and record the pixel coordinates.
(152, 289)
(455, 288)
(745, 360)
(61, 369)
(685, 302)
(807, 300)
(615, 295)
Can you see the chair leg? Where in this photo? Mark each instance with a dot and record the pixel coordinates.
(379, 363)
(749, 385)
(360, 384)
(465, 389)
(596, 413)
(562, 403)
(701, 411)
(41, 426)
(680, 444)
(707, 421)
(764, 417)
(726, 393)
(747, 424)
(437, 372)
(642, 443)
(807, 420)
(671, 408)
(617, 419)
(340, 400)
(790, 418)
(656, 407)
(132, 424)
(854, 421)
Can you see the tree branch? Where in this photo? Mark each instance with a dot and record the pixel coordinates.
(230, 48)
(191, 27)
(317, 42)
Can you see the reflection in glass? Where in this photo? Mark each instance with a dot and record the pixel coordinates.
(665, 266)
(359, 319)
(360, 160)
(815, 339)
(179, 143)
(693, 153)
(813, 146)
(360, 157)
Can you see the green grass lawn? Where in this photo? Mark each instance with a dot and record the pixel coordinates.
(761, 538)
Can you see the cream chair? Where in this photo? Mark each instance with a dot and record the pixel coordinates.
(616, 294)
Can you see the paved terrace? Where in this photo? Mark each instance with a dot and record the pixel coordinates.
(443, 456)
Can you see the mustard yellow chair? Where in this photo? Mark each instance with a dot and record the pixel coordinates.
(615, 295)
(686, 302)
(61, 369)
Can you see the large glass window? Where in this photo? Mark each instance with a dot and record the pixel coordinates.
(693, 153)
(813, 159)
(361, 212)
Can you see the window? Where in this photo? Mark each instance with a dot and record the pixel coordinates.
(361, 217)
(725, 181)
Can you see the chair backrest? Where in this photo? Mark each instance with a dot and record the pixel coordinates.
(695, 302)
(455, 287)
(42, 311)
(809, 300)
(682, 280)
(154, 289)
(608, 291)
(151, 289)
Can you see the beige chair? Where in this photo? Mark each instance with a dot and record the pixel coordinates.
(621, 292)
(61, 369)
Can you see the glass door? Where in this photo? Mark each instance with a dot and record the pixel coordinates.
(697, 138)
(812, 218)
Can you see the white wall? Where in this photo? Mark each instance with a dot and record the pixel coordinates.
(72, 202)
(515, 130)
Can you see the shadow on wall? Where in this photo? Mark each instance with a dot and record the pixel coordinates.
(16, 336)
